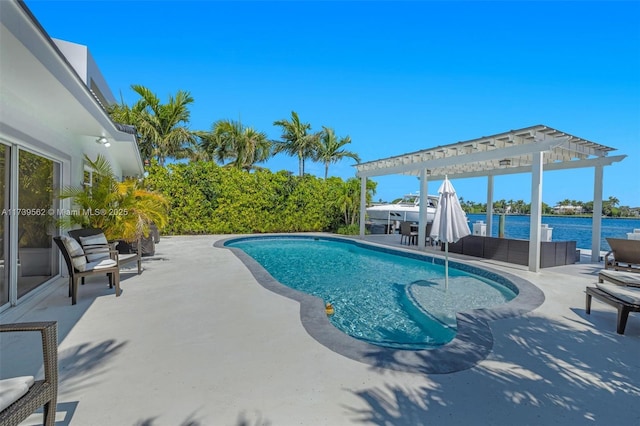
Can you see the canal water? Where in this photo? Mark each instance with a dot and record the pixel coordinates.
(565, 228)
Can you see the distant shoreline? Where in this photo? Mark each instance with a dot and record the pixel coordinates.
(562, 215)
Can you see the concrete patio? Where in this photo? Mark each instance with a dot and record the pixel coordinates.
(195, 340)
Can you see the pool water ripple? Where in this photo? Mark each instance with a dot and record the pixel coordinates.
(381, 298)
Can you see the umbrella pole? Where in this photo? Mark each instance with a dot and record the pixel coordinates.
(446, 265)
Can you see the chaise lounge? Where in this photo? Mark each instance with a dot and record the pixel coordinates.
(619, 277)
(624, 255)
(624, 299)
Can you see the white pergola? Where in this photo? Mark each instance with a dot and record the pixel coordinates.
(532, 150)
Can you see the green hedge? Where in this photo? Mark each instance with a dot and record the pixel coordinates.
(205, 198)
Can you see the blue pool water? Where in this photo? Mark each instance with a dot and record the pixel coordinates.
(379, 297)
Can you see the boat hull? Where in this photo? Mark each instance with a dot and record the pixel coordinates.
(389, 213)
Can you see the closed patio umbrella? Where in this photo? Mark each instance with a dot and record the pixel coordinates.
(449, 223)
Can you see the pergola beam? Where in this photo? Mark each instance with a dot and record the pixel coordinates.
(406, 166)
(534, 150)
(576, 164)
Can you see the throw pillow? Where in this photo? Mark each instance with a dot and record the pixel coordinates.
(75, 249)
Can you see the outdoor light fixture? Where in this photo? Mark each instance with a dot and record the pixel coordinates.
(505, 162)
(103, 141)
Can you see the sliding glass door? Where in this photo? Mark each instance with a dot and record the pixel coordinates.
(38, 178)
(5, 187)
(28, 200)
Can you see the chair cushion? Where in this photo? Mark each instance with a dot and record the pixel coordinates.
(95, 240)
(75, 249)
(13, 389)
(627, 294)
(124, 258)
(628, 278)
(99, 264)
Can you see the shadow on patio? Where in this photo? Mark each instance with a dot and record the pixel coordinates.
(555, 371)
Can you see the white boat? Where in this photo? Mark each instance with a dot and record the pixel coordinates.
(406, 210)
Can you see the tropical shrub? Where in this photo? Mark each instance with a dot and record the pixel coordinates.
(123, 210)
(205, 198)
(349, 230)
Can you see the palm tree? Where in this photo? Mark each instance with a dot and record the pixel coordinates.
(161, 128)
(509, 207)
(244, 146)
(123, 210)
(296, 139)
(625, 211)
(348, 198)
(124, 114)
(609, 206)
(330, 149)
(500, 205)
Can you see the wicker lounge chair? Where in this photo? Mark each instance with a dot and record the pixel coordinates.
(41, 392)
(123, 258)
(78, 267)
(624, 255)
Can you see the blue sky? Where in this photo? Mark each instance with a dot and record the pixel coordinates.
(394, 76)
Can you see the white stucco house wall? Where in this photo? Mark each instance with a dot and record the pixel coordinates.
(52, 100)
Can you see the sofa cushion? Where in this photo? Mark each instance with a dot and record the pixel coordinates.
(75, 249)
(98, 243)
(627, 294)
(13, 389)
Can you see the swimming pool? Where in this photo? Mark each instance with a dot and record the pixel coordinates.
(380, 296)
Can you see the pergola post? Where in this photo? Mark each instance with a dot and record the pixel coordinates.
(536, 211)
(422, 214)
(363, 204)
(489, 218)
(596, 225)
(534, 150)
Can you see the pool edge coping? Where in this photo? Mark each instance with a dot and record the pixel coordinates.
(473, 341)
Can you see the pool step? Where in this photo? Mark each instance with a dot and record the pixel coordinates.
(439, 326)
